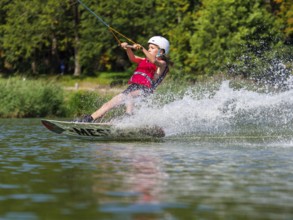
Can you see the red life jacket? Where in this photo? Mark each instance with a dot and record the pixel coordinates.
(144, 73)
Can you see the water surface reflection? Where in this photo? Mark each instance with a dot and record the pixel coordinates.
(44, 176)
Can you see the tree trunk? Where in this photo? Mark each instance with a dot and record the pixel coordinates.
(34, 67)
(77, 67)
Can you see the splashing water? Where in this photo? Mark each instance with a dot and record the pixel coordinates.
(226, 111)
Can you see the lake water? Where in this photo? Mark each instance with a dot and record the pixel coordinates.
(238, 165)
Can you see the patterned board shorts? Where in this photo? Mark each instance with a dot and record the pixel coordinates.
(145, 91)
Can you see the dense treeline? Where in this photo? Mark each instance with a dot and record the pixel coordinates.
(207, 36)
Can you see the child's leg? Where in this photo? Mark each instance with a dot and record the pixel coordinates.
(115, 101)
(130, 102)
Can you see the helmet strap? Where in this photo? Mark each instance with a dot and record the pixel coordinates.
(159, 53)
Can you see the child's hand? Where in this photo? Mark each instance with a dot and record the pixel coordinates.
(137, 46)
(124, 45)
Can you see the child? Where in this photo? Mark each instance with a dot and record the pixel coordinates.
(147, 76)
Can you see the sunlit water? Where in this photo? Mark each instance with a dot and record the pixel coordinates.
(226, 155)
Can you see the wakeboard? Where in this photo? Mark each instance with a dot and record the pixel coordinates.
(102, 131)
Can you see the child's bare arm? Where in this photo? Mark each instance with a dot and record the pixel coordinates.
(130, 53)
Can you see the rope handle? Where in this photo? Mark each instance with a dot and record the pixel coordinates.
(113, 31)
(133, 47)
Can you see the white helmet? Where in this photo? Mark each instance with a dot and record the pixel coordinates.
(161, 42)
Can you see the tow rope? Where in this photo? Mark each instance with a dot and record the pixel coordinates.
(112, 30)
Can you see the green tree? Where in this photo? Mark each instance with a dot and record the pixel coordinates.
(225, 30)
(284, 11)
(205, 35)
(2, 21)
(179, 16)
(35, 33)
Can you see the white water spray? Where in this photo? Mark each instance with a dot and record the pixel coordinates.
(221, 112)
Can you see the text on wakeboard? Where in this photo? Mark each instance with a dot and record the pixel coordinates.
(91, 131)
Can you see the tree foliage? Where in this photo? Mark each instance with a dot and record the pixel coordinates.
(35, 34)
(227, 29)
(38, 36)
(284, 12)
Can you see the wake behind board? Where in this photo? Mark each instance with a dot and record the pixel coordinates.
(102, 131)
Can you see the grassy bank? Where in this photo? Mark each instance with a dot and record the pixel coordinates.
(22, 97)
(29, 98)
